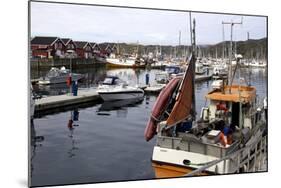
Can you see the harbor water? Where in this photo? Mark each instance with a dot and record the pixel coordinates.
(104, 142)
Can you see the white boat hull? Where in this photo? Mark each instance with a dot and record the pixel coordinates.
(120, 62)
(176, 157)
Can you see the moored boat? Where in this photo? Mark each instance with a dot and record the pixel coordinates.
(228, 138)
(55, 76)
(112, 88)
(124, 62)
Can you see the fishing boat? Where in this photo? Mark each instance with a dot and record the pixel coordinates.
(228, 137)
(113, 88)
(55, 76)
(124, 62)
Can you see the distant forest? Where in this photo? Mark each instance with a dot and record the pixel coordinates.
(249, 49)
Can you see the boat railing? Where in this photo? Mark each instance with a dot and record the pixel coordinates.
(191, 143)
(251, 158)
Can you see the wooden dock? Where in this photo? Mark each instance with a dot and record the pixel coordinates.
(60, 101)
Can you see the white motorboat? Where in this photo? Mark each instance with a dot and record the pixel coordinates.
(55, 76)
(112, 88)
(255, 63)
(199, 69)
(219, 71)
(162, 77)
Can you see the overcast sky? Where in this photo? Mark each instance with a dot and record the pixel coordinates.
(109, 24)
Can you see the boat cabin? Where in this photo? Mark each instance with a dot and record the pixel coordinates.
(232, 104)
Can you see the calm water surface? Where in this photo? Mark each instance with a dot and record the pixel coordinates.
(104, 142)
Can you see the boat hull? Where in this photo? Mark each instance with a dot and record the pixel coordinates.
(116, 63)
(163, 170)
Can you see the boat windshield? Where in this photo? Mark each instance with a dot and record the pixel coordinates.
(108, 81)
(112, 81)
(172, 70)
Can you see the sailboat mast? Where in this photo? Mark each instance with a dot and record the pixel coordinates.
(193, 60)
(223, 47)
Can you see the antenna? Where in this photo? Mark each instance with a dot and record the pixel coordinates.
(231, 48)
(190, 27)
(179, 50)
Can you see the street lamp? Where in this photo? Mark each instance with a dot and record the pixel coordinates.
(70, 54)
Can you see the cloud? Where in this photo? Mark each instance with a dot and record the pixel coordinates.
(96, 23)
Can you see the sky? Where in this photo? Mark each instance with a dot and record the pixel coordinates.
(143, 26)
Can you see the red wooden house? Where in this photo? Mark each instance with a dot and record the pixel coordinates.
(96, 48)
(107, 48)
(69, 45)
(47, 47)
(83, 49)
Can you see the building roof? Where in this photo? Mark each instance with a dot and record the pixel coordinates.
(93, 44)
(103, 46)
(65, 40)
(44, 40)
(80, 44)
(247, 94)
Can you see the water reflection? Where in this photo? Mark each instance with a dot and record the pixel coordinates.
(70, 147)
(71, 125)
(35, 142)
(120, 106)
